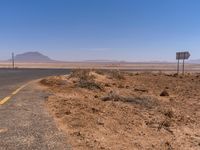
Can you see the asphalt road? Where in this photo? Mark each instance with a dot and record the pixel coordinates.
(11, 79)
(24, 121)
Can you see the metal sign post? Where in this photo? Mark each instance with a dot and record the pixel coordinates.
(182, 56)
(183, 70)
(178, 67)
(13, 61)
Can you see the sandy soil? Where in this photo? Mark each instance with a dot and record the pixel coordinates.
(103, 65)
(115, 110)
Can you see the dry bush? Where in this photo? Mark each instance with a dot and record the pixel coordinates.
(116, 74)
(113, 74)
(169, 113)
(53, 82)
(100, 71)
(81, 74)
(165, 124)
(111, 97)
(130, 74)
(146, 102)
(89, 84)
(85, 79)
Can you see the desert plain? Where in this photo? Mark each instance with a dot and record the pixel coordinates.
(112, 109)
(133, 66)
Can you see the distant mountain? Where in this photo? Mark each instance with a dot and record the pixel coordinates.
(32, 57)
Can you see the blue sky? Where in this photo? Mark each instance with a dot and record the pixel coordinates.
(131, 30)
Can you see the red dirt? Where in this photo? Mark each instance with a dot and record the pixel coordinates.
(128, 112)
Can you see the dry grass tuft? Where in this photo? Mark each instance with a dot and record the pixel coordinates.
(83, 74)
(146, 102)
(116, 74)
(53, 82)
(86, 80)
(89, 84)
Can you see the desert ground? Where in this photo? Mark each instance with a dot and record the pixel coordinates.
(109, 109)
(166, 67)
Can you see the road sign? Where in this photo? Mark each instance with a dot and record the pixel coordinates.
(182, 55)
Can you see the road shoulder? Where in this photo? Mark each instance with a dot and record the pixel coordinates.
(26, 124)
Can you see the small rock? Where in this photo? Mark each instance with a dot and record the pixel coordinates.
(106, 98)
(96, 96)
(100, 122)
(67, 112)
(107, 85)
(164, 93)
(94, 110)
(120, 86)
(141, 90)
(169, 114)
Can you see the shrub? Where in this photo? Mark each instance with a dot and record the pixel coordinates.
(146, 102)
(53, 82)
(89, 84)
(85, 79)
(82, 74)
(116, 74)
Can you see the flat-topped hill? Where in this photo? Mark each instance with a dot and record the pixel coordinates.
(32, 57)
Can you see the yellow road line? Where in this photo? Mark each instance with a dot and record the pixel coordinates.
(16, 91)
(4, 100)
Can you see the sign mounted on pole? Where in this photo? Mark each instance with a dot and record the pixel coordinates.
(182, 56)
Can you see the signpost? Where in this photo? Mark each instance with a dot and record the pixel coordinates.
(182, 56)
(13, 61)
